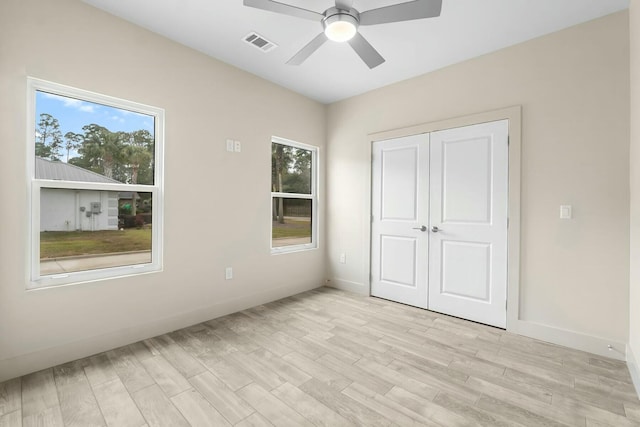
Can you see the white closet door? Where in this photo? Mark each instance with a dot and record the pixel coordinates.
(468, 227)
(400, 205)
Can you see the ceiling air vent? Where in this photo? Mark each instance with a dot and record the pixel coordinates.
(259, 42)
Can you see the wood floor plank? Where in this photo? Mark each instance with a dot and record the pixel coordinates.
(343, 404)
(272, 408)
(515, 413)
(166, 375)
(632, 411)
(186, 364)
(360, 350)
(284, 370)
(471, 365)
(131, 372)
(221, 397)
(197, 410)
(368, 341)
(418, 349)
(318, 371)
(117, 405)
(50, 417)
(522, 396)
(473, 413)
(254, 420)
(334, 350)
(11, 419)
(598, 400)
(305, 348)
(387, 408)
(481, 381)
(463, 341)
(267, 343)
(356, 374)
(233, 375)
(398, 379)
(188, 342)
(157, 409)
(239, 342)
(593, 423)
(77, 402)
(40, 399)
(10, 396)
(310, 408)
(597, 388)
(261, 375)
(576, 406)
(99, 369)
(437, 380)
(142, 350)
(436, 414)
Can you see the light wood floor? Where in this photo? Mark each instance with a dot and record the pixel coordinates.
(330, 358)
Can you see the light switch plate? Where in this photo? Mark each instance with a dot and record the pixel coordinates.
(228, 273)
(565, 212)
(230, 145)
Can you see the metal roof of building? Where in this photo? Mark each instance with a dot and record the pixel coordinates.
(60, 171)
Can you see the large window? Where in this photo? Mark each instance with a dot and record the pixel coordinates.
(293, 196)
(95, 167)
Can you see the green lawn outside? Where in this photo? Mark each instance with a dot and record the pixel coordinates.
(55, 244)
(291, 228)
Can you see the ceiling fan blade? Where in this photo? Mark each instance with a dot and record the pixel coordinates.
(344, 4)
(365, 51)
(306, 51)
(408, 11)
(274, 6)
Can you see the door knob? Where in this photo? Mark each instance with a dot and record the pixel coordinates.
(435, 229)
(422, 228)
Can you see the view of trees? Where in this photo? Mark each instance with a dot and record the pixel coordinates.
(290, 173)
(124, 156)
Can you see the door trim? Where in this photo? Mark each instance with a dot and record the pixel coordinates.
(514, 115)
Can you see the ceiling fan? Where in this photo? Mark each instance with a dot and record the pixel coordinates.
(341, 23)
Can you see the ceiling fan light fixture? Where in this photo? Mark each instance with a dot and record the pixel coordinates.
(340, 27)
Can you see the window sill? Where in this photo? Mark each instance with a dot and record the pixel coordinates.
(292, 249)
(82, 277)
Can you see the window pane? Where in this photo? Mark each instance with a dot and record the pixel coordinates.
(77, 140)
(290, 169)
(291, 222)
(83, 230)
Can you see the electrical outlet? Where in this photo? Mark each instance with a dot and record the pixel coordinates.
(228, 273)
(343, 258)
(237, 146)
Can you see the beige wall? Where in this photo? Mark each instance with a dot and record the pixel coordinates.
(206, 101)
(634, 291)
(574, 90)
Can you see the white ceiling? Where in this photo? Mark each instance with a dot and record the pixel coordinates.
(466, 29)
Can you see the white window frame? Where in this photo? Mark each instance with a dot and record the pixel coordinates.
(37, 281)
(313, 197)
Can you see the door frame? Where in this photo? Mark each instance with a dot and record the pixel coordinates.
(514, 115)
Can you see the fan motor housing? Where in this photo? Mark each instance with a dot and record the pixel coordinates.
(334, 15)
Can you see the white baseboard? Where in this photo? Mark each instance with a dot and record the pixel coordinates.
(634, 369)
(572, 339)
(346, 285)
(66, 352)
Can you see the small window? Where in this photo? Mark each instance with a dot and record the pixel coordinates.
(96, 185)
(293, 196)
